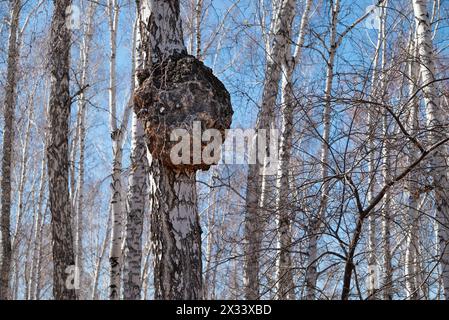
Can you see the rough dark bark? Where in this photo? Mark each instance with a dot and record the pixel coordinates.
(8, 138)
(57, 153)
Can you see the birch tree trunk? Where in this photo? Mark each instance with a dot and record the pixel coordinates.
(377, 94)
(82, 105)
(117, 136)
(315, 223)
(436, 125)
(210, 212)
(8, 139)
(387, 278)
(57, 151)
(285, 281)
(175, 227)
(101, 255)
(17, 236)
(198, 17)
(37, 230)
(137, 191)
(254, 212)
(413, 182)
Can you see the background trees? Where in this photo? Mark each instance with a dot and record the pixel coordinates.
(355, 211)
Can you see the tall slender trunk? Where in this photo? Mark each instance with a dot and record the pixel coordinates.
(117, 136)
(373, 116)
(436, 125)
(210, 237)
(57, 152)
(37, 230)
(100, 257)
(413, 182)
(387, 279)
(316, 222)
(17, 236)
(285, 281)
(8, 139)
(82, 105)
(254, 218)
(132, 281)
(137, 191)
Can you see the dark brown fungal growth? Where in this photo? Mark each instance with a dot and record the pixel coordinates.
(173, 95)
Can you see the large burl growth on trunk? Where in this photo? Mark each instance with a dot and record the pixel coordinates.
(175, 93)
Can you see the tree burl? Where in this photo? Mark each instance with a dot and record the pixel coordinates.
(175, 93)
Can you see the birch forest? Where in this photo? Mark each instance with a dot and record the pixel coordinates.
(224, 150)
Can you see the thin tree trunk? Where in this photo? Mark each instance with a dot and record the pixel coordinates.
(8, 139)
(137, 188)
(210, 236)
(284, 216)
(254, 218)
(377, 93)
(117, 136)
(37, 229)
(387, 278)
(85, 55)
(316, 222)
(198, 17)
(103, 249)
(57, 152)
(413, 183)
(135, 211)
(17, 236)
(436, 125)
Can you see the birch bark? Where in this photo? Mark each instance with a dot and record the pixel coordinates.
(57, 151)
(436, 125)
(175, 227)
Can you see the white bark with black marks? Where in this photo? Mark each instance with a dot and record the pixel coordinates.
(436, 126)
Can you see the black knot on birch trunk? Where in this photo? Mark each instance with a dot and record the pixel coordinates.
(175, 93)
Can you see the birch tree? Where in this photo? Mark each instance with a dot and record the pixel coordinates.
(8, 139)
(285, 271)
(175, 227)
(377, 94)
(137, 191)
(57, 151)
(316, 221)
(85, 53)
(436, 126)
(254, 214)
(118, 132)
